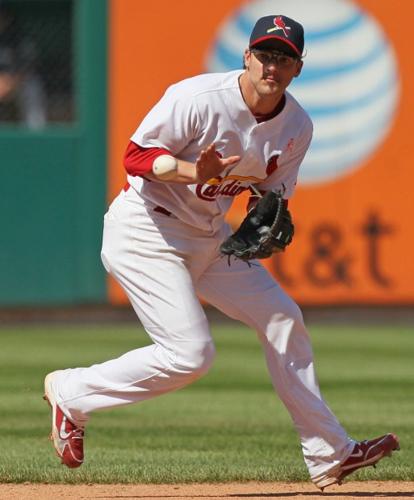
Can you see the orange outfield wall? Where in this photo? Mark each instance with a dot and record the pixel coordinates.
(354, 236)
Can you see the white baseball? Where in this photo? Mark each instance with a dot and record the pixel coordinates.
(164, 167)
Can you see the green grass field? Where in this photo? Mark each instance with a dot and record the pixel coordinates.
(229, 426)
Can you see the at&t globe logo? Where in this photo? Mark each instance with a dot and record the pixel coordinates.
(349, 83)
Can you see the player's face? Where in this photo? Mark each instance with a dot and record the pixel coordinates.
(270, 72)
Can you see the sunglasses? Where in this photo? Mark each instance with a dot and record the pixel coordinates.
(274, 56)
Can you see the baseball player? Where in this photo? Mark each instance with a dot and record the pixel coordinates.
(208, 139)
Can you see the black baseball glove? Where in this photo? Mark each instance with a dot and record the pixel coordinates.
(266, 229)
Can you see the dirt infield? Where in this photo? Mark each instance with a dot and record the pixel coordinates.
(350, 490)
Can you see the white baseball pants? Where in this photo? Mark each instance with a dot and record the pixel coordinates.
(162, 264)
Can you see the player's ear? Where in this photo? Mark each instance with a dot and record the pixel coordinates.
(246, 58)
(299, 68)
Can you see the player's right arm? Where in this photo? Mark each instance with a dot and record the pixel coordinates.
(143, 162)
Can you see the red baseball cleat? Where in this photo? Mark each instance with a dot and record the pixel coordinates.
(365, 453)
(66, 436)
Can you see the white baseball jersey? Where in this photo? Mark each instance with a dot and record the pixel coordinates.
(209, 109)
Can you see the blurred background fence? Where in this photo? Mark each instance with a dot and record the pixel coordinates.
(53, 150)
(77, 76)
(37, 63)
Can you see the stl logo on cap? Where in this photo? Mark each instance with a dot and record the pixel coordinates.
(280, 25)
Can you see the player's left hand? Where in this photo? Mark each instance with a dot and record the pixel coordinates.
(210, 165)
(267, 228)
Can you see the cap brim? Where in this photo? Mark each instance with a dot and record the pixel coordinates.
(277, 43)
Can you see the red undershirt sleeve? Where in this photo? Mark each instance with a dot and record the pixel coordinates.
(138, 160)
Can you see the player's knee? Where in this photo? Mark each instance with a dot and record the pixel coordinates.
(288, 310)
(294, 312)
(195, 358)
(285, 322)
